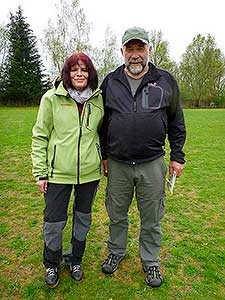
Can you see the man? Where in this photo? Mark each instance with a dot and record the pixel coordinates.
(142, 106)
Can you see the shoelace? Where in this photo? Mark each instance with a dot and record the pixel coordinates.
(111, 259)
(154, 272)
(76, 268)
(51, 272)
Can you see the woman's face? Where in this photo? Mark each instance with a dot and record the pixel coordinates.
(79, 76)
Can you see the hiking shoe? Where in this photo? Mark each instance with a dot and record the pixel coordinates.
(153, 276)
(52, 277)
(111, 263)
(77, 273)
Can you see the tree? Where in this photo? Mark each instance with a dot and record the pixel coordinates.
(3, 51)
(202, 70)
(69, 34)
(3, 45)
(23, 79)
(160, 52)
(106, 58)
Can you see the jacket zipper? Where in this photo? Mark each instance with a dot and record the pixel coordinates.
(78, 156)
(79, 140)
(135, 105)
(99, 154)
(88, 116)
(135, 101)
(53, 162)
(78, 153)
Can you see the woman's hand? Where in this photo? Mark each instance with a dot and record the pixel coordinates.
(105, 167)
(42, 185)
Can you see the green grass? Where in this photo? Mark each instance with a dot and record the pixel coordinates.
(193, 227)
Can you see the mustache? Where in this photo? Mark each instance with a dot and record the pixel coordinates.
(136, 61)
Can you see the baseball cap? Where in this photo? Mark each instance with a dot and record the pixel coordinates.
(135, 33)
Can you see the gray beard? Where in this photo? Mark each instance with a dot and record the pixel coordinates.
(135, 70)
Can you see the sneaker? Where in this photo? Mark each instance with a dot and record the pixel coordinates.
(52, 277)
(77, 273)
(111, 263)
(153, 276)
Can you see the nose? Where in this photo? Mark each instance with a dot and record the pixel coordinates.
(79, 72)
(135, 55)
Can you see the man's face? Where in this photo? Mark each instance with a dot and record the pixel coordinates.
(135, 55)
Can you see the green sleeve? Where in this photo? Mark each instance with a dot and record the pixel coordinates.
(40, 137)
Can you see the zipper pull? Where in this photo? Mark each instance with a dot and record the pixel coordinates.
(135, 105)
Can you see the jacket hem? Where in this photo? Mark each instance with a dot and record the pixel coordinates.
(73, 180)
(136, 161)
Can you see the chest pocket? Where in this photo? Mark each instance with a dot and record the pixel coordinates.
(92, 116)
(152, 96)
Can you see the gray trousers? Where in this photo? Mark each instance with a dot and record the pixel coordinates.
(147, 182)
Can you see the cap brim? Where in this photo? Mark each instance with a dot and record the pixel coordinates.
(134, 38)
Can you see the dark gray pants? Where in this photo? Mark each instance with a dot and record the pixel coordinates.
(147, 182)
(55, 219)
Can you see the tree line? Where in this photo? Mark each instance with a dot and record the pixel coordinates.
(23, 78)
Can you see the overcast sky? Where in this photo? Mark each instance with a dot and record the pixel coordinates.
(179, 20)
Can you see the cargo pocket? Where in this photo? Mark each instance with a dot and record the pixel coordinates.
(162, 208)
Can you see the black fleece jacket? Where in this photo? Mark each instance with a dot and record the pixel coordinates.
(135, 127)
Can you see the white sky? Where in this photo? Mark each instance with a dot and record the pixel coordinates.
(180, 21)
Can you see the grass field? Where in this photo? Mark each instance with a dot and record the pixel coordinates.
(193, 228)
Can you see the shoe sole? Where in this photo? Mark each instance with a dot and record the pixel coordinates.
(153, 286)
(52, 286)
(78, 281)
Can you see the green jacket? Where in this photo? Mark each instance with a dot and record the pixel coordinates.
(65, 144)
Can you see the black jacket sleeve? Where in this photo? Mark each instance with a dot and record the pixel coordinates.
(176, 126)
(104, 127)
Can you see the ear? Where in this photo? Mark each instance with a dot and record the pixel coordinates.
(121, 50)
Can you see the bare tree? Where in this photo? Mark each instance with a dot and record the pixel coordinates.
(4, 40)
(106, 58)
(69, 33)
(160, 51)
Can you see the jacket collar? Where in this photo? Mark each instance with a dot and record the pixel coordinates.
(61, 91)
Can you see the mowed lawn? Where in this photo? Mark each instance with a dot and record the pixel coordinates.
(192, 255)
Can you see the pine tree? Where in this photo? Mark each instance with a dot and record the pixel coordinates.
(23, 81)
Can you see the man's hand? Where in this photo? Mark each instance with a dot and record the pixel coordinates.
(174, 166)
(105, 167)
(42, 185)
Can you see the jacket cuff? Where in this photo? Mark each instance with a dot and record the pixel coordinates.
(177, 159)
(42, 177)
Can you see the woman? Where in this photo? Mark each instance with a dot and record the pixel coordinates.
(66, 154)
